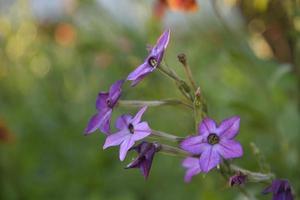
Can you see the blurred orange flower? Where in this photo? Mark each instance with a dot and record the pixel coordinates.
(65, 34)
(175, 5)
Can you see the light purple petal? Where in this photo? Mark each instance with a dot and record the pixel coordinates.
(116, 138)
(229, 128)
(141, 131)
(138, 116)
(162, 42)
(123, 121)
(115, 90)
(140, 78)
(139, 72)
(125, 146)
(101, 101)
(229, 149)
(99, 120)
(209, 159)
(193, 168)
(190, 162)
(207, 126)
(194, 145)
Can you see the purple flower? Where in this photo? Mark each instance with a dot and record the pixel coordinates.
(238, 179)
(131, 129)
(281, 190)
(105, 103)
(193, 168)
(143, 161)
(214, 142)
(152, 61)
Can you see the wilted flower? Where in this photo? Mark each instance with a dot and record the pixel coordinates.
(131, 129)
(152, 61)
(237, 179)
(214, 142)
(281, 190)
(193, 168)
(105, 103)
(143, 161)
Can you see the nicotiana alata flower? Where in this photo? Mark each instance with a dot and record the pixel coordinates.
(238, 179)
(105, 103)
(214, 142)
(281, 190)
(193, 168)
(131, 129)
(146, 152)
(152, 61)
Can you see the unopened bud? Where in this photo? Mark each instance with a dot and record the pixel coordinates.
(182, 58)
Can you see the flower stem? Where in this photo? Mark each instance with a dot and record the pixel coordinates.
(182, 85)
(167, 136)
(182, 59)
(138, 103)
(253, 176)
(170, 150)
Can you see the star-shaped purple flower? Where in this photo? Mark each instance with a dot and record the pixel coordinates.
(144, 159)
(131, 129)
(105, 103)
(193, 168)
(281, 190)
(214, 142)
(152, 61)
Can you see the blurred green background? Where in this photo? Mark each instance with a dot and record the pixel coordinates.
(55, 56)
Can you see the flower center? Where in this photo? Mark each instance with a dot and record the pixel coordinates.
(131, 128)
(109, 102)
(152, 62)
(213, 139)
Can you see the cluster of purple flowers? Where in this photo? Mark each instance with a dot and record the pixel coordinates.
(205, 151)
(130, 128)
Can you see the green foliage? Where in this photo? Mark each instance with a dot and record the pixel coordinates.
(48, 91)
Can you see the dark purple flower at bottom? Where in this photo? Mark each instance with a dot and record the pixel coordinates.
(238, 179)
(105, 103)
(143, 161)
(281, 190)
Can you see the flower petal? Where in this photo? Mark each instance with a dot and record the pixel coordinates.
(141, 130)
(139, 73)
(162, 42)
(115, 91)
(123, 121)
(101, 101)
(93, 124)
(140, 78)
(194, 145)
(125, 146)
(138, 116)
(101, 121)
(229, 128)
(193, 168)
(207, 126)
(190, 162)
(230, 149)
(209, 159)
(105, 126)
(116, 138)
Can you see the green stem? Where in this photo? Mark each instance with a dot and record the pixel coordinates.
(182, 85)
(138, 103)
(166, 136)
